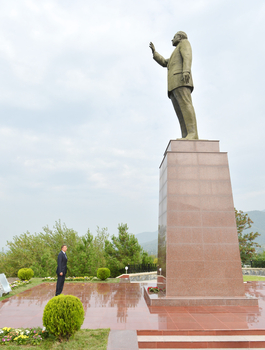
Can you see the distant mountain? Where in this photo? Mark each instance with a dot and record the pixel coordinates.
(149, 240)
(146, 237)
(258, 218)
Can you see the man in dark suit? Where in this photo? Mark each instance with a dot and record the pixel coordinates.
(61, 270)
(180, 84)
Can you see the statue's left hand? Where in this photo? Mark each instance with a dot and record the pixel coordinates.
(186, 77)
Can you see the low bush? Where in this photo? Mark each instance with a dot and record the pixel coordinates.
(25, 274)
(63, 316)
(103, 273)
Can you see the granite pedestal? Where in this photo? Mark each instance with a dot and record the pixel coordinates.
(198, 252)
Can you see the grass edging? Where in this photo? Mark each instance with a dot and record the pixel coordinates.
(250, 278)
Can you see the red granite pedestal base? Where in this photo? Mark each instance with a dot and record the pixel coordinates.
(161, 299)
(198, 252)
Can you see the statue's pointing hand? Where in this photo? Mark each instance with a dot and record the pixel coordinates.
(152, 47)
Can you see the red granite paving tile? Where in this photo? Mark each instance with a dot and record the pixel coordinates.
(138, 325)
(188, 325)
(204, 317)
(213, 309)
(195, 309)
(236, 325)
(117, 306)
(230, 318)
(35, 321)
(186, 318)
(156, 321)
(213, 325)
(235, 309)
(175, 309)
(167, 326)
(157, 309)
(251, 309)
(111, 325)
(256, 325)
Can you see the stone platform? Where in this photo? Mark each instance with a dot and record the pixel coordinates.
(161, 299)
(121, 306)
(198, 251)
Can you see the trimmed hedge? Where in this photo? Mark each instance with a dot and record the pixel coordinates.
(63, 316)
(25, 274)
(258, 263)
(103, 273)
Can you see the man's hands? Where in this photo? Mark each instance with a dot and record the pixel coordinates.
(152, 47)
(186, 77)
(61, 273)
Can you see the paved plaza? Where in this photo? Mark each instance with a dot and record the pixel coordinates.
(121, 306)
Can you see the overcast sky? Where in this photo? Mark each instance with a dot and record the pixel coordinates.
(85, 117)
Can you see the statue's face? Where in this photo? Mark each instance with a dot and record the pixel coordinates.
(176, 39)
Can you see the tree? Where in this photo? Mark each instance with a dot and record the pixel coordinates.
(39, 251)
(146, 258)
(82, 256)
(85, 254)
(122, 250)
(247, 246)
(89, 254)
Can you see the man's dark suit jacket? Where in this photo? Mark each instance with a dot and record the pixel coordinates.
(61, 263)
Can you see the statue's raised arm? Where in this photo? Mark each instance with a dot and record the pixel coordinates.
(152, 47)
(180, 84)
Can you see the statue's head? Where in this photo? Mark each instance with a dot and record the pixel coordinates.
(178, 37)
(183, 35)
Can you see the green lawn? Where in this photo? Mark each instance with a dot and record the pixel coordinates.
(253, 278)
(92, 339)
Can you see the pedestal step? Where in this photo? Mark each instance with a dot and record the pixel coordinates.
(201, 341)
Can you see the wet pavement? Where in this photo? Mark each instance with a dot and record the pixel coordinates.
(121, 306)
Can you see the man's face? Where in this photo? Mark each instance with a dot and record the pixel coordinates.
(176, 39)
(64, 248)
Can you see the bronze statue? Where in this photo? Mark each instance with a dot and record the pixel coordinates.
(180, 84)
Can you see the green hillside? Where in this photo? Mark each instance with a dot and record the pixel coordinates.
(150, 247)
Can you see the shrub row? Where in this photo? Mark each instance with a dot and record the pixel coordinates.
(258, 263)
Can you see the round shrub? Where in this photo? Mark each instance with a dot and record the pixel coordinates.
(103, 273)
(63, 315)
(25, 274)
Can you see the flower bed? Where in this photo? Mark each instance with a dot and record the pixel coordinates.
(18, 283)
(155, 290)
(75, 279)
(33, 336)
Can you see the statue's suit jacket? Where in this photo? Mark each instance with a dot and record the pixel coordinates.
(179, 62)
(61, 263)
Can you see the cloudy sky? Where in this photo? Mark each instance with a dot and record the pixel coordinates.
(84, 113)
